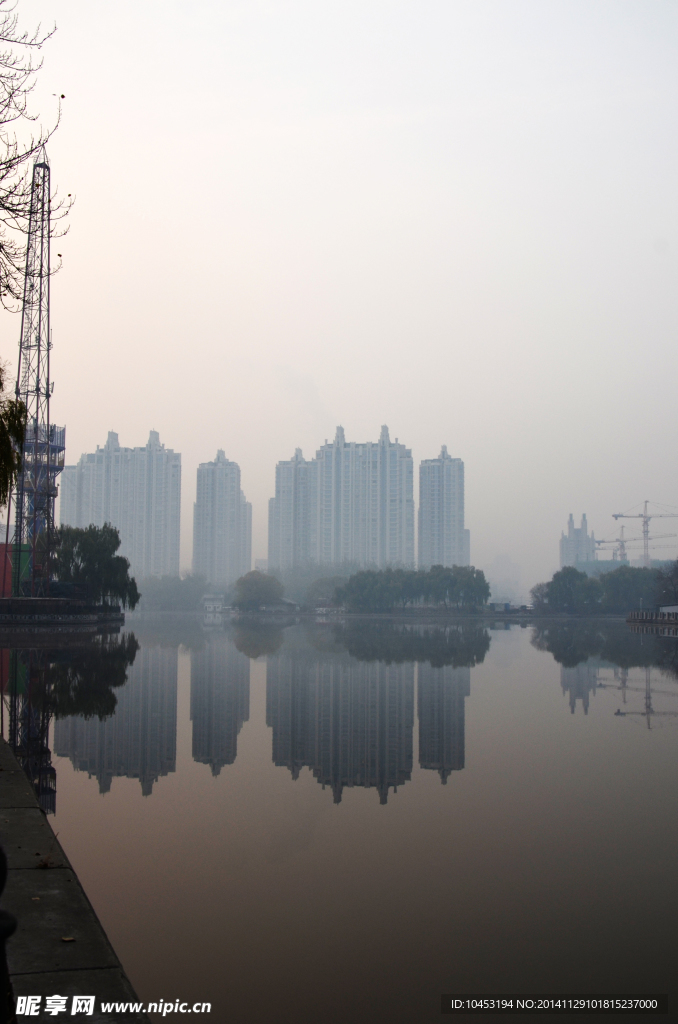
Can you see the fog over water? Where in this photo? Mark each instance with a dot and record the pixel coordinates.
(456, 218)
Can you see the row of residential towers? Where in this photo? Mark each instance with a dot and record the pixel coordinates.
(355, 503)
(352, 503)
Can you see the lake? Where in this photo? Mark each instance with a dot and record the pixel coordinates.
(338, 823)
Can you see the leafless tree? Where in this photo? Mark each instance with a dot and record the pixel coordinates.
(20, 142)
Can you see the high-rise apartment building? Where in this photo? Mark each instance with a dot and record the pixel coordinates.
(577, 545)
(352, 503)
(292, 513)
(137, 490)
(222, 523)
(443, 540)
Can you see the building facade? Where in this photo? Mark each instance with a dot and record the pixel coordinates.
(137, 490)
(352, 503)
(292, 513)
(443, 540)
(577, 545)
(222, 523)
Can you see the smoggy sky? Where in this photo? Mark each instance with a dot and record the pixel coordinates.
(456, 218)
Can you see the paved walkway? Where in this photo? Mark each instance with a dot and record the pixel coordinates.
(50, 906)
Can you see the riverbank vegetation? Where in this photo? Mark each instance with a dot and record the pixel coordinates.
(459, 588)
(86, 566)
(624, 590)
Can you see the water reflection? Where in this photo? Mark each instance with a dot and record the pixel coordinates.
(44, 681)
(349, 722)
(139, 740)
(441, 694)
(598, 655)
(220, 700)
(342, 703)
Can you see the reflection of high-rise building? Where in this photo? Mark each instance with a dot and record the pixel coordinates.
(351, 503)
(222, 524)
(220, 700)
(350, 722)
(442, 537)
(139, 740)
(440, 705)
(579, 682)
(137, 490)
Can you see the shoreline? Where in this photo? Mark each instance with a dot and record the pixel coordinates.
(49, 903)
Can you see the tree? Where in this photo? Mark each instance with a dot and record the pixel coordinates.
(12, 434)
(256, 589)
(628, 588)
(86, 560)
(667, 584)
(568, 591)
(18, 69)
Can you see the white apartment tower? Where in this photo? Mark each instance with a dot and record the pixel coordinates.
(137, 490)
(351, 503)
(292, 513)
(442, 537)
(365, 510)
(222, 524)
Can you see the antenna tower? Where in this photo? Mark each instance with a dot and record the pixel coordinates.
(44, 446)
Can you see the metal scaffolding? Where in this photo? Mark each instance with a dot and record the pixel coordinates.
(44, 447)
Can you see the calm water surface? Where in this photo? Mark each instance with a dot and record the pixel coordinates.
(332, 825)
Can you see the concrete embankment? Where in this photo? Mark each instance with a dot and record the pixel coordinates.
(59, 946)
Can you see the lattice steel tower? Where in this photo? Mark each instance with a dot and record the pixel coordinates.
(43, 451)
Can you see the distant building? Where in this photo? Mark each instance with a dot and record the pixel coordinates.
(222, 523)
(292, 514)
(352, 503)
(137, 490)
(365, 502)
(443, 540)
(576, 545)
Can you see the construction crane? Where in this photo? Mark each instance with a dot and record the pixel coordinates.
(620, 543)
(646, 517)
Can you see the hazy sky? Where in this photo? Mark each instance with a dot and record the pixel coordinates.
(457, 218)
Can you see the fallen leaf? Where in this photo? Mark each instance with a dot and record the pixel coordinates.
(67, 938)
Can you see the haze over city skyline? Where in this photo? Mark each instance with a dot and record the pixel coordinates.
(456, 219)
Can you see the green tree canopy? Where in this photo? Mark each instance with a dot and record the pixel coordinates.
(621, 591)
(86, 560)
(459, 587)
(256, 589)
